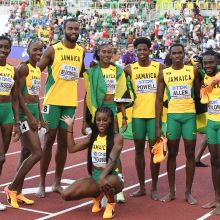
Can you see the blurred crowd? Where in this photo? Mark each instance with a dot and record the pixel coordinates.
(121, 27)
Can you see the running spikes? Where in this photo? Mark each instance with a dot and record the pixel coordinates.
(160, 150)
(109, 211)
(97, 204)
(22, 199)
(11, 197)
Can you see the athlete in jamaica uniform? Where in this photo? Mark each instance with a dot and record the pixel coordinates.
(8, 102)
(65, 63)
(144, 75)
(212, 77)
(180, 82)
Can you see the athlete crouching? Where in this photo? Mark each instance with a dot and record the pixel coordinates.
(104, 148)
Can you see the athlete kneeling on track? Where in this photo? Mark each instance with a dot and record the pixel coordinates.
(104, 148)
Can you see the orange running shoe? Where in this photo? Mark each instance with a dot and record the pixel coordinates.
(11, 197)
(97, 204)
(160, 150)
(109, 210)
(204, 91)
(22, 199)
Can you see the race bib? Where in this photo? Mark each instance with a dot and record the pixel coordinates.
(6, 84)
(214, 106)
(146, 85)
(99, 158)
(110, 86)
(180, 92)
(35, 87)
(24, 127)
(69, 72)
(46, 109)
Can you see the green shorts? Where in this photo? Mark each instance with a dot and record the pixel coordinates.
(181, 124)
(96, 174)
(213, 132)
(142, 127)
(53, 113)
(33, 109)
(112, 106)
(6, 113)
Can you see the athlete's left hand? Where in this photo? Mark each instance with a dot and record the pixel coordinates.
(66, 118)
(16, 133)
(43, 124)
(105, 187)
(124, 125)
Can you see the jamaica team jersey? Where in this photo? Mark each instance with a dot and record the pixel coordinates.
(33, 81)
(144, 83)
(63, 74)
(214, 98)
(180, 92)
(7, 73)
(98, 152)
(109, 75)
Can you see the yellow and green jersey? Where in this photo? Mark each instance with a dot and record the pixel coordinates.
(63, 74)
(7, 73)
(33, 81)
(180, 90)
(214, 98)
(109, 75)
(98, 152)
(144, 83)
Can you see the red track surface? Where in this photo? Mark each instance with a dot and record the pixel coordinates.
(143, 208)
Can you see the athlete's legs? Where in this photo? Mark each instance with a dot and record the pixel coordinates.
(82, 188)
(32, 142)
(202, 147)
(45, 160)
(60, 158)
(190, 169)
(139, 135)
(5, 138)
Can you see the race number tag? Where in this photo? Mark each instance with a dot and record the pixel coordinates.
(180, 92)
(214, 106)
(110, 86)
(99, 158)
(69, 72)
(35, 87)
(46, 109)
(6, 84)
(146, 85)
(24, 127)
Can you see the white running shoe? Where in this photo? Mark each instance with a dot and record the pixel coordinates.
(120, 198)
(2, 207)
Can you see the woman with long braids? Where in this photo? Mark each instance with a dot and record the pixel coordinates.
(104, 148)
(8, 102)
(30, 120)
(106, 86)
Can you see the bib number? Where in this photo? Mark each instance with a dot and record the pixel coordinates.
(46, 109)
(6, 84)
(146, 86)
(180, 92)
(24, 127)
(69, 72)
(35, 87)
(110, 86)
(214, 106)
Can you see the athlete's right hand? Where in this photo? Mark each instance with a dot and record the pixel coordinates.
(68, 120)
(32, 122)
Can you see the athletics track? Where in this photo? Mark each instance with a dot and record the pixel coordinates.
(142, 208)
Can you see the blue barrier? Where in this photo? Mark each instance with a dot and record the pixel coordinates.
(21, 53)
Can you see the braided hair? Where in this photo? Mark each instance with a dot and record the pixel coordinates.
(95, 133)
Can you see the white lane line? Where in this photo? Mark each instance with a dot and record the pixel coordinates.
(17, 152)
(125, 189)
(33, 210)
(207, 215)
